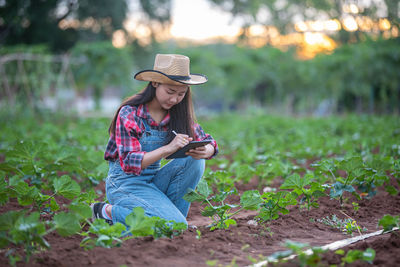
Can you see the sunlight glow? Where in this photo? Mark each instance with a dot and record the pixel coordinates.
(257, 30)
(300, 26)
(350, 24)
(332, 25)
(119, 39)
(365, 23)
(384, 24)
(316, 26)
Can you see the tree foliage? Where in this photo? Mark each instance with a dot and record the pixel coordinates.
(283, 14)
(41, 22)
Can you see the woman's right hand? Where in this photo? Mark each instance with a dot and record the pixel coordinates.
(178, 142)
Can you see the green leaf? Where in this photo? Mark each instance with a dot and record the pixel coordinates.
(203, 189)
(340, 252)
(8, 167)
(29, 229)
(251, 200)
(66, 187)
(351, 165)
(229, 222)
(209, 211)
(81, 210)
(388, 222)
(296, 182)
(53, 205)
(391, 190)
(140, 224)
(8, 219)
(66, 223)
(193, 196)
(338, 188)
(368, 255)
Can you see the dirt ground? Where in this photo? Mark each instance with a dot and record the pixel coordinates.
(233, 246)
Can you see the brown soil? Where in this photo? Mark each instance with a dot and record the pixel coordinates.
(235, 245)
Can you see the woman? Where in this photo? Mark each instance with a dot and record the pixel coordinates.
(150, 126)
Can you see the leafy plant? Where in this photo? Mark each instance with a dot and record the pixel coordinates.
(389, 222)
(220, 212)
(106, 236)
(310, 190)
(353, 255)
(347, 226)
(275, 203)
(25, 231)
(311, 257)
(354, 168)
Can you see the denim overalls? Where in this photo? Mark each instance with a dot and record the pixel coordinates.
(158, 191)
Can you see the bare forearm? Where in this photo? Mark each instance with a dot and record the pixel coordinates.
(179, 141)
(152, 156)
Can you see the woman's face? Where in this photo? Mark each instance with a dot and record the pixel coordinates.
(169, 95)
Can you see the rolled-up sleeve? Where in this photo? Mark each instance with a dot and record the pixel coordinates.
(127, 134)
(200, 135)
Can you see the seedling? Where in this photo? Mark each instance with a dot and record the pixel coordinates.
(353, 255)
(353, 166)
(305, 187)
(389, 222)
(275, 203)
(198, 236)
(107, 236)
(220, 212)
(138, 225)
(356, 207)
(311, 257)
(26, 231)
(347, 226)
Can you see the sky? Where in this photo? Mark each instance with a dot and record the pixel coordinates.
(199, 19)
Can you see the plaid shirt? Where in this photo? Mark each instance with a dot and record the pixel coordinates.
(129, 129)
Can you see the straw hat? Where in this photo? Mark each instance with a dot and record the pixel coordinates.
(171, 69)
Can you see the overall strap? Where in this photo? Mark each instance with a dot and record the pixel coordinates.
(146, 126)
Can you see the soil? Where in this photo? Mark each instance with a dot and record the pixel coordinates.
(236, 245)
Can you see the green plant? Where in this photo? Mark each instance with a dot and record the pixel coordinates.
(356, 207)
(354, 167)
(310, 190)
(347, 226)
(275, 203)
(389, 222)
(25, 231)
(220, 212)
(311, 257)
(106, 236)
(198, 234)
(353, 255)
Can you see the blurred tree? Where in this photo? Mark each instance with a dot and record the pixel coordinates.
(283, 13)
(44, 22)
(35, 21)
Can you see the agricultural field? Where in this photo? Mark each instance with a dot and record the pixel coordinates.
(279, 186)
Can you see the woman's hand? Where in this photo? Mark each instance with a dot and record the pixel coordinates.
(178, 142)
(202, 152)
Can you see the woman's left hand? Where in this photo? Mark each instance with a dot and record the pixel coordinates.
(202, 152)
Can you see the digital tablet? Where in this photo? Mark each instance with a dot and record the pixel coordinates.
(180, 153)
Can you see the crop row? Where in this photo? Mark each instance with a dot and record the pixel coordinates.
(51, 169)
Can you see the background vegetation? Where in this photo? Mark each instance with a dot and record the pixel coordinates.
(43, 57)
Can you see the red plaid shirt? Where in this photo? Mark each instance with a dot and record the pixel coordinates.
(129, 129)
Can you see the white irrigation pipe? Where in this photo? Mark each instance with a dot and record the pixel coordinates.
(332, 246)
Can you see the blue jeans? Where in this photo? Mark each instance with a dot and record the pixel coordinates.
(158, 192)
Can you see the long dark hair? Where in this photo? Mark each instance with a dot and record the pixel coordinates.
(181, 115)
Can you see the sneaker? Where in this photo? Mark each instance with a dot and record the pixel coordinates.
(96, 212)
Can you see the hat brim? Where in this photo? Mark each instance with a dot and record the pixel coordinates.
(158, 76)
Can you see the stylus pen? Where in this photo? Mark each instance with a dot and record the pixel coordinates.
(174, 132)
